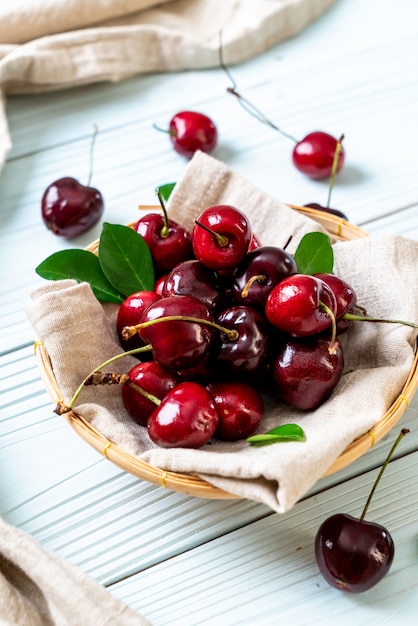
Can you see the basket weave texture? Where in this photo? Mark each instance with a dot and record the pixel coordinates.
(338, 230)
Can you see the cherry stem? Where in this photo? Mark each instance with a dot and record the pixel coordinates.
(221, 239)
(129, 331)
(172, 133)
(403, 432)
(331, 347)
(258, 278)
(246, 104)
(165, 229)
(62, 408)
(334, 168)
(93, 141)
(112, 378)
(361, 318)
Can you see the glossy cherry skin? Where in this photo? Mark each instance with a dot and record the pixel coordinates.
(167, 249)
(130, 313)
(305, 373)
(294, 305)
(178, 344)
(353, 555)
(345, 296)
(314, 155)
(191, 278)
(153, 379)
(230, 223)
(271, 265)
(191, 131)
(70, 208)
(240, 409)
(186, 417)
(325, 209)
(248, 354)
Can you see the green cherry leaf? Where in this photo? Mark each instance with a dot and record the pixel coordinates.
(82, 266)
(125, 259)
(285, 432)
(314, 254)
(165, 190)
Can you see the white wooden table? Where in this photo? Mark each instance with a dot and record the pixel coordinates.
(180, 560)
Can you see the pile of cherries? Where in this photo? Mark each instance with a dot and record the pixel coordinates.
(227, 321)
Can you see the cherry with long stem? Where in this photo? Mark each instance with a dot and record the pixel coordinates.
(129, 331)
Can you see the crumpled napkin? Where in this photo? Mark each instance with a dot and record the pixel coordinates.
(79, 334)
(39, 588)
(53, 44)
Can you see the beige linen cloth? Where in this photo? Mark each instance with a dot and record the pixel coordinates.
(52, 44)
(79, 335)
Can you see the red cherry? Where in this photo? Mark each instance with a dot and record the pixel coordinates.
(345, 297)
(305, 372)
(181, 343)
(168, 242)
(314, 155)
(192, 278)
(300, 305)
(240, 408)
(130, 313)
(186, 417)
(191, 131)
(221, 236)
(70, 208)
(154, 380)
(159, 284)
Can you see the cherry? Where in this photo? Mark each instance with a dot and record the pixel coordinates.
(146, 377)
(195, 279)
(70, 208)
(345, 297)
(326, 209)
(159, 284)
(130, 313)
(191, 131)
(240, 409)
(221, 237)
(301, 305)
(305, 372)
(352, 554)
(169, 243)
(248, 353)
(257, 274)
(177, 340)
(186, 417)
(314, 155)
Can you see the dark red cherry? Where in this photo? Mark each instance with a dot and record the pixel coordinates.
(186, 417)
(177, 344)
(300, 305)
(240, 409)
(70, 208)
(304, 371)
(221, 237)
(169, 242)
(191, 131)
(191, 278)
(314, 155)
(151, 378)
(248, 354)
(257, 274)
(352, 554)
(345, 297)
(130, 313)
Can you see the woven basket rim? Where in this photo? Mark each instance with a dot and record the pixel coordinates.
(339, 229)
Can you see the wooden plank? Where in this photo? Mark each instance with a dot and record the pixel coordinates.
(265, 572)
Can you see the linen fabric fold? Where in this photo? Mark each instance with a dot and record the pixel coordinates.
(54, 44)
(39, 588)
(378, 357)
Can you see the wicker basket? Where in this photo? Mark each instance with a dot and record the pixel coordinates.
(338, 230)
